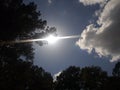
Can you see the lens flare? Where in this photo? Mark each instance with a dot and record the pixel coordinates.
(50, 39)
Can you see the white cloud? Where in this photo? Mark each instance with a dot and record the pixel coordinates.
(49, 1)
(56, 75)
(91, 2)
(105, 39)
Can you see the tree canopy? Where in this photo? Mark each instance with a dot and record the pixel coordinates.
(116, 70)
(19, 21)
(21, 75)
(93, 78)
(74, 78)
(87, 78)
(69, 79)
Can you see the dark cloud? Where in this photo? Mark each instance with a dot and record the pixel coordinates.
(105, 40)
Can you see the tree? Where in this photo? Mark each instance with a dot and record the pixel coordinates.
(69, 79)
(113, 82)
(21, 75)
(93, 78)
(116, 70)
(88, 78)
(19, 21)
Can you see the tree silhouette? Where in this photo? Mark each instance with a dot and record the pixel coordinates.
(113, 82)
(116, 70)
(19, 21)
(88, 78)
(93, 78)
(21, 75)
(69, 79)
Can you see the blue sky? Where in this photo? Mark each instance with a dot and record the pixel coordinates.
(71, 17)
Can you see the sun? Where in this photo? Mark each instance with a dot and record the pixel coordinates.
(51, 39)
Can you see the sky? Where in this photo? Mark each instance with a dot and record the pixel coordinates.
(97, 23)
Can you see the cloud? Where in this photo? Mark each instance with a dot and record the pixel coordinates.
(92, 2)
(49, 1)
(56, 75)
(105, 39)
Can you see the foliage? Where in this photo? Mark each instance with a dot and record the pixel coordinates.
(87, 78)
(21, 75)
(69, 79)
(93, 78)
(19, 21)
(113, 83)
(116, 70)
(74, 78)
